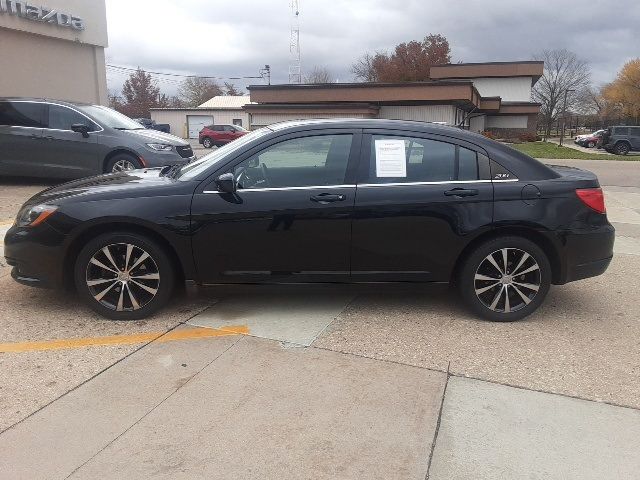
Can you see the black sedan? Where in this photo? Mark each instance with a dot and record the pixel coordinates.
(322, 201)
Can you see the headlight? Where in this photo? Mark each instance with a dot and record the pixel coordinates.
(161, 147)
(34, 215)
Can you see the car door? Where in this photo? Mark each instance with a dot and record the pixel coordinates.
(420, 198)
(69, 154)
(290, 218)
(21, 143)
(228, 133)
(634, 137)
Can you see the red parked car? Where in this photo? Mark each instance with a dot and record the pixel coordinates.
(220, 134)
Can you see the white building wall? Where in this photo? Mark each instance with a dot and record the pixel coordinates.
(507, 121)
(477, 124)
(514, 89)
(177, 119)
(422, 113)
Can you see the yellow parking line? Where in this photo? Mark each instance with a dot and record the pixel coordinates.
(174, 335)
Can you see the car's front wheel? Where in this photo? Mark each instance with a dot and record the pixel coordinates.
(124, 276)
(207, 142)
(591, 144)
(122, 163)
(505, 279)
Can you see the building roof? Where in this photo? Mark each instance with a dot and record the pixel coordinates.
(529, 68)
(226, 102)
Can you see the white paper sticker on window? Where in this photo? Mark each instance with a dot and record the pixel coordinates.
(391, 159)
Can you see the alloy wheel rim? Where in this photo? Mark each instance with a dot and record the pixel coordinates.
(207, 143)
(123, 166)
(122, 277)
(507, 280)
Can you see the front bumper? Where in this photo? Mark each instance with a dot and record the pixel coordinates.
(161, 159)
(36, 255)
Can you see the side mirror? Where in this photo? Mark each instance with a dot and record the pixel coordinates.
(81, 128)
(226, 183)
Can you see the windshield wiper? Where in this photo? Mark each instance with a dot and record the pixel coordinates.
(169, 170)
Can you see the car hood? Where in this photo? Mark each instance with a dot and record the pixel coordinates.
(155, 136)
(114, 185)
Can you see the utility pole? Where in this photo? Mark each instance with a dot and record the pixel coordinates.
(266, 72)
(295, 69)
(564, 114)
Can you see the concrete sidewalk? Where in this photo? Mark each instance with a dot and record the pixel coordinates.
(244, 407)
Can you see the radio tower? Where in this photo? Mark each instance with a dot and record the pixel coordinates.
(295, 70)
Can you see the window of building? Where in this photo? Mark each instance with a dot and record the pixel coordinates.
(22, 114)
(237, 121)
(299, 162)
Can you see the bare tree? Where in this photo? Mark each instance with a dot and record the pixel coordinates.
(319, 75)
(364, 69)
(194, 91)
(231, 90)
(564, 74)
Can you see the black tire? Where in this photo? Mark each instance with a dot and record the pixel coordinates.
(137, 298)
(207, 142)
(477, 264)
(120, 159)
(591, 144)
(621, 148)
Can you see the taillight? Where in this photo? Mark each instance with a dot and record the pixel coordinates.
(592, 198)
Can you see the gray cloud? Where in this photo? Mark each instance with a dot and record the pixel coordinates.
(222, 38)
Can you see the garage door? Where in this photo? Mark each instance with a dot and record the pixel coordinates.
(196, 123)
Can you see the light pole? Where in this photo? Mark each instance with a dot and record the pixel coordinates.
(564, 113)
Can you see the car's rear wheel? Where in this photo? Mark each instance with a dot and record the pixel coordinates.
(122, 163)
(621, 148)
(207, 142)
(505, 279)
(124, 276)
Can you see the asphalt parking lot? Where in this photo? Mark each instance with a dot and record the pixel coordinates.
(328, 382)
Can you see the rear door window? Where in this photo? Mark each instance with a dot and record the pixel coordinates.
(22, 114)
(411, 159)
(621, 131)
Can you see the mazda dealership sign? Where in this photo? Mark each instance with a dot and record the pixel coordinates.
(47, 15)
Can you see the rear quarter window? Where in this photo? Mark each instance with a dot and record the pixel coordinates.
(22, 114)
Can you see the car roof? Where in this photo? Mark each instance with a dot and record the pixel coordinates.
(45, 100)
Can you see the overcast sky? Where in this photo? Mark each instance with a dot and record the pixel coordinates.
(229, 38)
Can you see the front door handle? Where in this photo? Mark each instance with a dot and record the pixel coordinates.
(328, 198)
(461, 192)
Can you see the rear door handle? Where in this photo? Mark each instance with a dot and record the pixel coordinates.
(328, 198)
(461, 192)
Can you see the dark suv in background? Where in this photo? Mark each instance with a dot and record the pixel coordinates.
(56, 139)
(621, 139)
(219, 135)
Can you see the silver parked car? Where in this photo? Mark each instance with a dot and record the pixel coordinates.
(56, 139)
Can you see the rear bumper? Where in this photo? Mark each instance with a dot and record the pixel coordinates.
(588, 254)
(590, 269)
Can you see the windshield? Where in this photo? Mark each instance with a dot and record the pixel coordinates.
(193, 169)
(110, 118)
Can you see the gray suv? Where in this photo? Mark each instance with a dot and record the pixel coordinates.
(621, 139)
(55, 139)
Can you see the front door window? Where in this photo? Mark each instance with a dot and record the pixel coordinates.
(301, 162)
